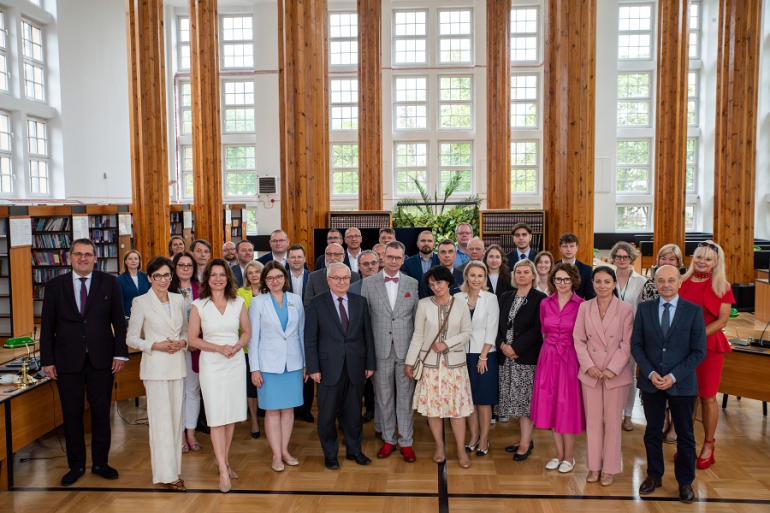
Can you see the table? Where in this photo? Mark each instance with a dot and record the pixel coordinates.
(746, 373)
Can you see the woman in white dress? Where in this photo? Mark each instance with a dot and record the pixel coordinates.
(217, 315)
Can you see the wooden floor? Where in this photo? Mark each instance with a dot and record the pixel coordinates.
(739, 482)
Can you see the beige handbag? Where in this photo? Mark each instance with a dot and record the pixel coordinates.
(419, 365)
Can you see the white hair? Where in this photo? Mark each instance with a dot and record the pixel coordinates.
(337, 265)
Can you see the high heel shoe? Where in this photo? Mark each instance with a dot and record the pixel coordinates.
(472, 447)
(704, 463)
(522, 457)
(230, 472)
(483, 452)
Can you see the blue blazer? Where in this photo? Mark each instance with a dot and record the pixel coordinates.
(513, 257)
(129, 291)
(305, 274)
(679, 353)
(271, 348)
(413, 267)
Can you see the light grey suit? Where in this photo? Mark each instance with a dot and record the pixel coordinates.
(317, 284)
(393, 329)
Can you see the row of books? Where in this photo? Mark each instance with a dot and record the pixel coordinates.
(176, 217)
(38, 291)
(507, 243)
(107, 251)
(50, 258)
(50, 224)
(505, 221)
(101, 221)
(53, 240)
(40, 276)
(342, 221)
(99, 236)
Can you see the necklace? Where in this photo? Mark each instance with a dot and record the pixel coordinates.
(702, 276)
(472, 304)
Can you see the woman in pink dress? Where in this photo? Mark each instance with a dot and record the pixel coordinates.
(557, 401)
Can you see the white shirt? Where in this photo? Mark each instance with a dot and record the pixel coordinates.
(493, 280)
(136, 280)
(353, 261)
(282, 261)
(77, 284)
(392, 288)
(296, 282)
(336, 299)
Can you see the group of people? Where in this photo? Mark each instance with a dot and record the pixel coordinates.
(458, 331)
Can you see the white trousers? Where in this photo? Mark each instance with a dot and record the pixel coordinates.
(192, 395)
(164, 413)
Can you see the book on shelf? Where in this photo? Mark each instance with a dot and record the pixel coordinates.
(100, 221)
(51, 224)
(40, 276)
(50, 257)
(104, 236)
(108, 251)
(52, 240)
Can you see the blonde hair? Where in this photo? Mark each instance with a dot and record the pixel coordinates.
(670, 248)
(470, 265)
(525, 263)
(246, 281)
(719, 283)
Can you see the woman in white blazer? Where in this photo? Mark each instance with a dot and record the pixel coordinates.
(277, 357)
(481, 353)
(158, 327)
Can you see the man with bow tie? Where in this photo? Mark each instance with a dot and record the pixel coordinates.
(392, 298)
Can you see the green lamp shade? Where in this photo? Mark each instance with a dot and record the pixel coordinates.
(733, 313)
(13, 343)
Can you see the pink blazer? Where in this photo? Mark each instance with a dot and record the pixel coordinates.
(604, 344)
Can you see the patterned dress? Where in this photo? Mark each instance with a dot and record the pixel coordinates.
(516, 381)
(443, 392)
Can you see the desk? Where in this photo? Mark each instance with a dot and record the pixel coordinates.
(746, 373)
(29, 414)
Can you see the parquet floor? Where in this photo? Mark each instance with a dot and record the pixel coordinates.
(739, 482)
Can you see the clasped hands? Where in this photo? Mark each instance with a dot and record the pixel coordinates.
(316, 376)
(663, 383)
(604, 375)
(508, 351)
(169, 346)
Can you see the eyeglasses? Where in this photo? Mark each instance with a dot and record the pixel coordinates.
(83, 255)
(367, 264)
(185, 266)
(334, 254)
(352, 236)
(464, 233)
(333, 237)
(337, 279)
(396, 258)
(161, 277)
(622, 257)
(279, 240)
(435, 284)
(562, 280)
(701, 245)
(274, 279)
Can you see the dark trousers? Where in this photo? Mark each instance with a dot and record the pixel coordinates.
(681, 415)
(369, 395)
(96, 385)
(308, 394)
(344, 397)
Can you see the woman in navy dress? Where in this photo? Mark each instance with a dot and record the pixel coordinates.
(132, 282)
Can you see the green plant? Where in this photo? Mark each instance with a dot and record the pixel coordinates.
(441, 219)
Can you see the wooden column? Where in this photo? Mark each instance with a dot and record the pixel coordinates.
(740, 24)
(498, 104)
(207, 147)
(370, 104)
(671, 123)
(147, 110)
(304, 125)
(569, 120)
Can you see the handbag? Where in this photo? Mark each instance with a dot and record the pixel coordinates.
(419, 365)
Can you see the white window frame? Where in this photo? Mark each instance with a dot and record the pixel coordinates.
(636, 99)
(5, 76)
(694, 207)
(353, 104)
(692, 164)
(6, 154)
(238, 106)
(31, 63)
(693, 98)
(237, 171)
(183, 44)
(416, 38)
(470, 103)
(223, 43)
(517, 167)
(650, 32)
(186, 172)
(184, 108)
(470, 36)
(695, 32)
(397, 168)
(451, 168)
(650, 211)
(538, 35)
(407, 103)
(343, 169)
(352, 40)
(536, 101)
(647, 166)
(36, 159)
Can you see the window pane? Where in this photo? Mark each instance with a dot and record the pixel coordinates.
(633, 152)
(453, 23)
(455, 50)
(411, 155)
(465, 179)
(634, 113)
(632, 179)
(634, 85)
(240, 157)
(689, 217)
(632, 218)
(344, 169)
(6, 179)
(241, 184)
(455, 88)
(343, 25)
(524, 35)
(238, 55)
(524, 154)
(455, 116)
(524, 115)
(239, 93)
(635, 18)
(5, 132)
(239, 120)
(524, 162)
(455, 154)
(237, 28)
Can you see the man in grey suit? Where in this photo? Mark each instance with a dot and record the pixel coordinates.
(339, 356)
(316, 282)
(475, 252)
(392, 298)
(668, 343)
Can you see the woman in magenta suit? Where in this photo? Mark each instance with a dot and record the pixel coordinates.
(602, 338)
(705, 284)
(556, 398)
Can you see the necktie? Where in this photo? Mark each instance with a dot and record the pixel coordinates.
(665, 321)
(388, 278)
(83, 296)
(343, 317)
(522, 256)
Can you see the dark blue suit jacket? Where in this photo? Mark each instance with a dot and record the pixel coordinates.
(129, 291)
(305, 274)
(678, 353)
(236, 269)
(513, 257)
(413, 267)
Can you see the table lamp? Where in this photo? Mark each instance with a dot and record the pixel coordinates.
(25, 380)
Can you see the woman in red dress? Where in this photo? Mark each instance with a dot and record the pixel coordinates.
(705, 284)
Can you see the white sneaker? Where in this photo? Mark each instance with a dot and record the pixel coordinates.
(502, 419)
(566, 466)
(493, 421)
(553, 464)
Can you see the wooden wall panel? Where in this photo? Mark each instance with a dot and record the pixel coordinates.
(147, 111)
(21, 290)
(370, 104)
(302, 81)
(569, 122)
(671, 123)
(207, 147)
(498, 104)
(740, 32)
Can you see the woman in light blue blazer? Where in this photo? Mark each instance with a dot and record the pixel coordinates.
(277, 358)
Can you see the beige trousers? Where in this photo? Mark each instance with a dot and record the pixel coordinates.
(164, 413)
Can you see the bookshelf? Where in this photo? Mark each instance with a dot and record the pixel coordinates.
(182, 222)
(360, 219)
(51, 241)
(103, 230)
(236, 227)
(6, 313)
(496, 226)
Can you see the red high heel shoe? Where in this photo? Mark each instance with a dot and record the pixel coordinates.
(704, 463)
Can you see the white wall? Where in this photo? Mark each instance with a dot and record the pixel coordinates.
(94, 100)
(762, 225)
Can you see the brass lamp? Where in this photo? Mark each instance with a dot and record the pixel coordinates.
(25, 380)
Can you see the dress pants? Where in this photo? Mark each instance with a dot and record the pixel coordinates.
(393, 391)
(344, 396)
(164, 414)
(681, 415)
(369, 395)
(603, 424)
(96, 385)
(192, 395)
(308, 394)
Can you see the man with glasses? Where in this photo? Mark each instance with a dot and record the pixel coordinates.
(475, 252)
(333, 236)
(245, 254)
(279, 244)
(392, 298)
(228, 253)
(82, 346)
(417, 265)
(463, 233)
(317, 282)
(353, 242)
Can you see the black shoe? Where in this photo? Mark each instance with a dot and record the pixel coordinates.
(200, 428)
(649, 484)
(105, 471)
(73, 475)
(686, 494)
(368, 416)
(522, 457)
(512, 448)
(332, 463)
(255, 435)
(358, 458)
(306, 416)
(378, 434)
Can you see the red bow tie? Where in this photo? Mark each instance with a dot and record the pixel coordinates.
(388, 278)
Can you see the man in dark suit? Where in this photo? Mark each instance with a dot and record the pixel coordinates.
(82, 346)
(475, 252)
(446, 255)
(522, 237)
(417, 265)
(568, 246)
(279, 244)
(316, 282)
(333, 236)
(244, 251)
(668, 343)
(339, 356)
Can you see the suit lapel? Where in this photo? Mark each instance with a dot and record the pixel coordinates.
(333, 310)
(69, 289)
(679, 306)
(158, 307)
(654, 307)
(96, 281)
(383, 290)
(268, 304)
(596, 320)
